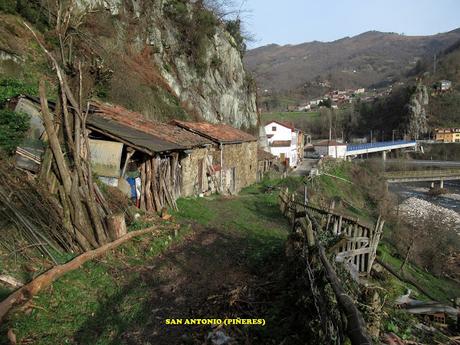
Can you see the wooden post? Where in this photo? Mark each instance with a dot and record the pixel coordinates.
(129, 153)
(143, 177)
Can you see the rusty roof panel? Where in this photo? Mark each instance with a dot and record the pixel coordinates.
(174, 135)
(221, 133)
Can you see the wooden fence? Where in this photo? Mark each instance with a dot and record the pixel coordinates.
(357, 242)
(356, 247)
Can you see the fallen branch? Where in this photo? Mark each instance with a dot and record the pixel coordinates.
(44, 280)
(11, 281)
(404, 279)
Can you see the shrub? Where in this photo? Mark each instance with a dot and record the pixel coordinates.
(196, 27)
(234, 28)
(8, 6)
(12, 87)
(13, 127)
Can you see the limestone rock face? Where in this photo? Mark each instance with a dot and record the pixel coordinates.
(223, 92)
(417, 112)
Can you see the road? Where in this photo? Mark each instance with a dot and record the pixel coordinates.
(424, 162)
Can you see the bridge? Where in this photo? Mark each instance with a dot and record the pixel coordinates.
(422, 175)
(381, 146)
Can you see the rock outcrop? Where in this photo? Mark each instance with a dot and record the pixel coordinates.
(220, 92)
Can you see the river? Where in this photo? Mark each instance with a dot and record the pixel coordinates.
(419, 190)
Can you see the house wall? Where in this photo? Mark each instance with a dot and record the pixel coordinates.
(191, 165)
(331, 151)
(338, 151)
(448, 137)
(281, 132)
(242, 157)
(288, 151)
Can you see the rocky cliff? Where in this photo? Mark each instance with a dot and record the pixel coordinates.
(165, 58)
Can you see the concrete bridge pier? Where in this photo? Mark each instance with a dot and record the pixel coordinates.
(441, 184)
(384, 154)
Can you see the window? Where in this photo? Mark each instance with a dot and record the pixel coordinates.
(274, 128)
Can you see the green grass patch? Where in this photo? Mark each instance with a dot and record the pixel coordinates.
(76, 305)
(294, 116)
(254, 216)
(441, 288)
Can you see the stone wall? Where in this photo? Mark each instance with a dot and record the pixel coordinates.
(240, 157)
(243, 158)
(190, 171)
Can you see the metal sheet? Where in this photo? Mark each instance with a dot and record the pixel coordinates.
(142, 141)
(106, 157)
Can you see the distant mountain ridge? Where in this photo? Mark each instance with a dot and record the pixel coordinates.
(369, 59)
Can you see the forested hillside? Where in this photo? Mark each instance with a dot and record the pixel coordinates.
(370, 59)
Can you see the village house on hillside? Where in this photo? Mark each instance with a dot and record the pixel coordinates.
(156, 163)
(285, 142)
(447, 135)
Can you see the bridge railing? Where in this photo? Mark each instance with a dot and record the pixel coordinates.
(422, 173)
(356, 147)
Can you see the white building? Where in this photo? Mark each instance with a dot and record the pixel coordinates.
(282, 140)
(445, 85)
(331, 148)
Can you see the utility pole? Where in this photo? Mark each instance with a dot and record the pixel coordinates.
(393, 134)
(371, 136)
(330, 127)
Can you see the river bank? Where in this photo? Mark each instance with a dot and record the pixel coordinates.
(416, 203)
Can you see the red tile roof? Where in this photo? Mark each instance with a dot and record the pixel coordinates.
(134, 120)
(220, 133)
(281, 143)
(264, 155)
(329, 143)
(286, 124)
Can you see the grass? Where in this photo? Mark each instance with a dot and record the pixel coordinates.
(442, 289)
(59, 315)
(254, 215)
(294, 117)
(356, 203)
(108, 297)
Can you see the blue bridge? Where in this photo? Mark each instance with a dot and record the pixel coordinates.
(382, 146)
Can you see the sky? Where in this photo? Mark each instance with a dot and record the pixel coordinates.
(297, 21)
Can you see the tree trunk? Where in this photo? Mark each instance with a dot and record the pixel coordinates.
(116, 226)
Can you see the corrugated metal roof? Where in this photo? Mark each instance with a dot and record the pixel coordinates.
(134, 128)
(220, 133)
(140, 140)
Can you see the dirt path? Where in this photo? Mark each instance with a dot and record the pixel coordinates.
(213, 273)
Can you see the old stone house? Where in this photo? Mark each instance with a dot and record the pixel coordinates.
(167, 160)
(233, 160)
